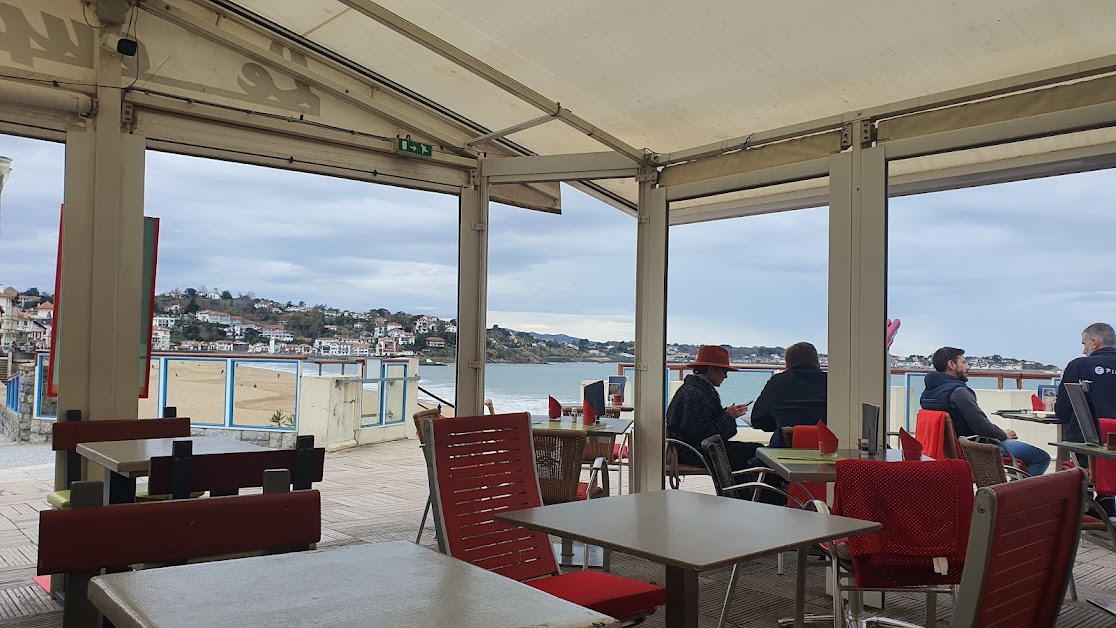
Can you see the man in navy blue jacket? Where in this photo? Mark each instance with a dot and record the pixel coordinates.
(1099, 367)
(947, 391)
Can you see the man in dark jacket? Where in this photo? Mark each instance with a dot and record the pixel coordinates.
(1099, 367)
(946, 391)
(695, 412)
(797, 396)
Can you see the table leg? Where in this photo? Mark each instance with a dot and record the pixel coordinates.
(1063, 455)
(800, 590)
(682, 597)
(119, 489)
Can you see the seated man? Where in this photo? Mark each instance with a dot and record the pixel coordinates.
(946, 391)
(695, 413)
(797, 396)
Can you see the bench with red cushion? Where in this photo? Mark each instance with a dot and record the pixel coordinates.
(225, 474)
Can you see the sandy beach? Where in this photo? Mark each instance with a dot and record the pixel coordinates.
(197, 389)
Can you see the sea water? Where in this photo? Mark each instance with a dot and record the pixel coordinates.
(525, 387)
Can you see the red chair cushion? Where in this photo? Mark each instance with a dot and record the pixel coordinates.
(1104, 471)
(806, 437)
(930, 431)
(619, 452)
(622, 598)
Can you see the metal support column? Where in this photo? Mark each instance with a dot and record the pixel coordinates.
(650, 337)
(102, 261)
(858, 368)
(472, 298)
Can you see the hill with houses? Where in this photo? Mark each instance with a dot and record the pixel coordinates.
(201, 320)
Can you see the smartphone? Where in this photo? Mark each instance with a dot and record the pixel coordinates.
(749, 403)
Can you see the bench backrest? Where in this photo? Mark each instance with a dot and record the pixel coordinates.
(96, 537)
(228, 473)
(67, 435)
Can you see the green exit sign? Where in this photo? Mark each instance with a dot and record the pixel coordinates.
(407, 145)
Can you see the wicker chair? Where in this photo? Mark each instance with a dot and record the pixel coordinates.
(558, 458)
(986, 462)
(420, 418)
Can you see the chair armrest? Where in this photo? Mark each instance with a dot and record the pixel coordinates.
(759, 487)
(598, 473)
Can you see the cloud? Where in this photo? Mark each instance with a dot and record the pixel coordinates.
(1016, 269)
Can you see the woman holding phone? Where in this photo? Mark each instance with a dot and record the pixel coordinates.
(695, 413)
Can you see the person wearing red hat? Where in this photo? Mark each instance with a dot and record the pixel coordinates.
(695, 413)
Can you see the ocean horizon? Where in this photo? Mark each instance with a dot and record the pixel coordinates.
(525, 387)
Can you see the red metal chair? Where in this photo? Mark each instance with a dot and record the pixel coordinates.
(1020, 528)
(926, 508)
(485, 465)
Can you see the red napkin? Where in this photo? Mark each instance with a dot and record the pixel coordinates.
(589, 412)
(827, 440)
(1037, 404)
(555, 409)
(912, 448)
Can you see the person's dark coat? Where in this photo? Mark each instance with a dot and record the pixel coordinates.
(797, 396)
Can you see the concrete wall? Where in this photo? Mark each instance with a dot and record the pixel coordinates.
(24, 427)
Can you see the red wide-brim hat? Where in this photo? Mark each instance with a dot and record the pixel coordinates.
(713, 355)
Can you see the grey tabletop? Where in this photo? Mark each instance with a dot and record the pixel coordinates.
(396, 584)
(132, 458)
(1047, 418)
(687, 530)
(602, 426)
(1086, 449)
(806, 465)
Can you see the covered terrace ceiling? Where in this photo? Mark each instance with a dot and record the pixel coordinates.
(667, 76)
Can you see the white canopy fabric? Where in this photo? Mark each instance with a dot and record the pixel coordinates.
(668, 76)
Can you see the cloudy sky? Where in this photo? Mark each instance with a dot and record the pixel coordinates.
(1016, 269)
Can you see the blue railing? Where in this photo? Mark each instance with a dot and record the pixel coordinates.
(11, 393)
(256, 393)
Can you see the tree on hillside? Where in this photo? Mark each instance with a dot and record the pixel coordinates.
(226, 295)
(252, 336)
(192, 293)
(31, 292)
(192, 306)
(307, 324)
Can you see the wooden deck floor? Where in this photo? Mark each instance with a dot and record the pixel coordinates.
(377, 493)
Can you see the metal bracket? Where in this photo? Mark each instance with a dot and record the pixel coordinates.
(867, 133)
(475, 364)
(643, 220)
(477, 226)
(474, 178)
(640, 367)
(650, 175)
(127, 114)
(846, 136)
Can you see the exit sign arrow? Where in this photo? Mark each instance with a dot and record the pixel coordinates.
(411, 147)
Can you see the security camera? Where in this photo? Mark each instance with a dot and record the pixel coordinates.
(120, 45)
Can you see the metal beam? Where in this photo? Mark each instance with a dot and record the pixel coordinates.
(515, 128)
(558, 167)
(990, 89)
(798, 171)
(222, 37)
(285, 125)
(1043, 125)
(650, 339)
(492, 75)
(472, 299)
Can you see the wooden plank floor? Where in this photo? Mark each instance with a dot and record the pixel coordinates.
(377, 493)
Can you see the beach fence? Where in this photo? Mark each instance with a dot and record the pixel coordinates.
(273, 398)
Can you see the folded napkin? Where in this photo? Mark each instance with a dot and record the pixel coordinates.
(555, 410)
(590, 413)
(1037, 404)
(909, 444)
(826, 436)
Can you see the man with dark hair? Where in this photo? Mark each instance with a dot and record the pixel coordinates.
(946, 391)
(797, 396)
(1099, 367)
